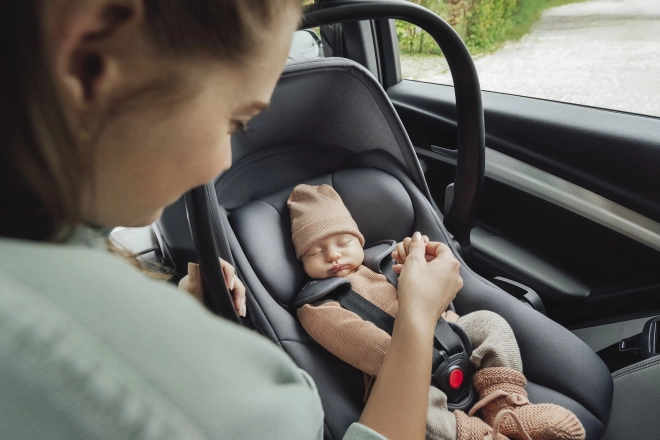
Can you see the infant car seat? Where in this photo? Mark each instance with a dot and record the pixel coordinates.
(331, 122)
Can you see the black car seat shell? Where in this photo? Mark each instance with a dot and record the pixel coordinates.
(331, 122)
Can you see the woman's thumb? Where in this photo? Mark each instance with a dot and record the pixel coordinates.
(417, 247)
(192, 271)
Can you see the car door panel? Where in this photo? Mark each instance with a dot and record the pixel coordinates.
(613, 154)
(608, 156)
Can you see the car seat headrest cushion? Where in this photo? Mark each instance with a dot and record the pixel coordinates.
(377, 201)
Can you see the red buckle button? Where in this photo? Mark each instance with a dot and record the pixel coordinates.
(455, 378)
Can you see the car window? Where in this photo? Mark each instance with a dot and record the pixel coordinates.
(600, 53)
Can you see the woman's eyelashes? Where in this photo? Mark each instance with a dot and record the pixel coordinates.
(236, 126)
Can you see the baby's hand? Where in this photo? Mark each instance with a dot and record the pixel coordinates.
(399, 255)
(192, 283)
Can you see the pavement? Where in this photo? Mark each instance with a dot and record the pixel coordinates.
(600, 53)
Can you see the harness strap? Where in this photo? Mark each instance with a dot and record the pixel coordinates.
(447, 338)
(365, 309)
(386, 269)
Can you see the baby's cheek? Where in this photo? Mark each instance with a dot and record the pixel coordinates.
(311, 270)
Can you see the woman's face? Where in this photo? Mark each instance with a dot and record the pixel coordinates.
(163, 142)
(147, 158)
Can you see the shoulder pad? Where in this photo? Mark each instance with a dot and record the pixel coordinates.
(316, 289)
(377, 253)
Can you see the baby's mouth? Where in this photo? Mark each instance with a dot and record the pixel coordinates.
(338, 267)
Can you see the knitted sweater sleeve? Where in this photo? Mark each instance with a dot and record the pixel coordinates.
(343, 333)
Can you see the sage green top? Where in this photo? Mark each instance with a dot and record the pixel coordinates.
(92, 349)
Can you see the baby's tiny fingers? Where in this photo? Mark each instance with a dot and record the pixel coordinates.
(397, 268)
(401, 250)
(406, 245)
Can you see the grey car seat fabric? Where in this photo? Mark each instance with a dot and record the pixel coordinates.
(331, 122)
(635, 410)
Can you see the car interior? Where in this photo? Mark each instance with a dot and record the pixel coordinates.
(553, 210)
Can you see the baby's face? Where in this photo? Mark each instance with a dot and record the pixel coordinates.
(335, 256)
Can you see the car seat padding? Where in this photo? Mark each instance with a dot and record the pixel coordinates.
(387, 205)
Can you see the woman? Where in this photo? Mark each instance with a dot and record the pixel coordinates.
(110, 111)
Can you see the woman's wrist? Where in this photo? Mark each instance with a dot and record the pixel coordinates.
(420, 322)
(419, 314)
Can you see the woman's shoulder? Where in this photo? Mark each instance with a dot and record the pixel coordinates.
(116, 347)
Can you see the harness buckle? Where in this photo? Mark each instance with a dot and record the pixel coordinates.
(452, 370)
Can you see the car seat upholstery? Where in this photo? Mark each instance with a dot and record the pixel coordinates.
(331, 122)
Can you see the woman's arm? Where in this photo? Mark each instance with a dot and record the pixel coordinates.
(398, 403)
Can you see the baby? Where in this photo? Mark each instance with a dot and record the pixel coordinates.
(329, 244)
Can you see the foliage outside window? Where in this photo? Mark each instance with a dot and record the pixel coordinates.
(483, 24)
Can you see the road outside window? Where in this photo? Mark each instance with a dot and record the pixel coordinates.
(600, 53)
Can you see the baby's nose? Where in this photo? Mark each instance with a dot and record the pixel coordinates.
(333, 255)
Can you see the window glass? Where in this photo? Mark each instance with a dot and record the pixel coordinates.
(600, 53)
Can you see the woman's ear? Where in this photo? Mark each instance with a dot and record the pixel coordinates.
(88, 44)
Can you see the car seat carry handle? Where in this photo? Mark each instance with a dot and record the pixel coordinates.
(470, 129)
(200, 216)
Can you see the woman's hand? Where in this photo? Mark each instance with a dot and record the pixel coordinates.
(192, 283)
(429, 278)
(401, 252)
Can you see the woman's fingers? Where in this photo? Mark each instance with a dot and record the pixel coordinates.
(236, 287)
(192, 283)
(436, 248)
(228, 272)
(416, 247)
(239, 297)
(427, 289)
(399, 255)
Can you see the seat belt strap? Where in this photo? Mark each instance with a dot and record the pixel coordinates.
(446, 338)
(365, 309)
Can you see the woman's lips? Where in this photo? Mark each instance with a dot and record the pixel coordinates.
(338, 267)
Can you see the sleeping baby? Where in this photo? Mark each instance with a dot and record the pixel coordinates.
(329, 244)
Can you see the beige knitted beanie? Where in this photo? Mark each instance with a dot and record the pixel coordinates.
(317, 212)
